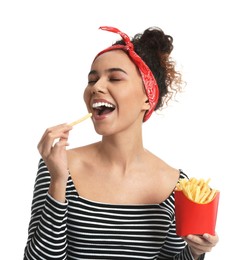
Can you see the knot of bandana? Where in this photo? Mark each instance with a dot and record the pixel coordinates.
(150, 83)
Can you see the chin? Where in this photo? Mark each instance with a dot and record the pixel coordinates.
(103, 131)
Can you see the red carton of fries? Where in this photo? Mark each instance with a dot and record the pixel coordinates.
(193, 216)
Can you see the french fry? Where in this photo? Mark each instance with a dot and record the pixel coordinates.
(211, 196)
(198, 191)
(197, 194)
(81, 119)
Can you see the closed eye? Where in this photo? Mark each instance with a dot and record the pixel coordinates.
(92, 81)
(114, 79)
(92, 77)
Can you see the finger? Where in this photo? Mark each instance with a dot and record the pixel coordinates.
(196, 248)
(50, 136)
(50, 129)
(58, 151)
(60, 145)
(56, 129)
(47, 146)
(194, 239)
(205, 239)
(211, 239)
(199, 244)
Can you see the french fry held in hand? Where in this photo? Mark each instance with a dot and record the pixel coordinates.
(198, 191)
(81, 119)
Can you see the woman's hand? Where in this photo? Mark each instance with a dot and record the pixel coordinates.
(200, 244)
(52, 148)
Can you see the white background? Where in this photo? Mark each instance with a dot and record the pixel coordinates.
(46, 48)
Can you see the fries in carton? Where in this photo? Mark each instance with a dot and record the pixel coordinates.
(196, 207)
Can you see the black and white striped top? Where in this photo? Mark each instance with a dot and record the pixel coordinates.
(84, 229)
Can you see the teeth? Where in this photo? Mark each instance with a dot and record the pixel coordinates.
(100, 104)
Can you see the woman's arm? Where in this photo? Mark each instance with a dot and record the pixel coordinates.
(47, 227)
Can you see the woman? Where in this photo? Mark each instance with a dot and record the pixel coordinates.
(113, 199)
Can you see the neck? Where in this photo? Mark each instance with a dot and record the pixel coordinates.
(122, 150)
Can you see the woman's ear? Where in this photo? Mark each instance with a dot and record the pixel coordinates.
(146, 105)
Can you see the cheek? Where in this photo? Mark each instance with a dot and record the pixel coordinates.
(131, 99)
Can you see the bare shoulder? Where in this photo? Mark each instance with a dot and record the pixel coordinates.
(162, 168)
(76, 150)
(82, 154)
(162, 176)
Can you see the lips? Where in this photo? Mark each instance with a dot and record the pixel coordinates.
(102, 108)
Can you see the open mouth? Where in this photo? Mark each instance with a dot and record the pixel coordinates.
(102, 108)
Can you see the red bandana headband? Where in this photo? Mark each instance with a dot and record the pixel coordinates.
(150, 83)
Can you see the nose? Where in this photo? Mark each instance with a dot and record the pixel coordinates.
(98, 87)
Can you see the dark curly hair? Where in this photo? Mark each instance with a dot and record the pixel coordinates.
(155, 47)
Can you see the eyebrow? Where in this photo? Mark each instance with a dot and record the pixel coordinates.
(94, 72)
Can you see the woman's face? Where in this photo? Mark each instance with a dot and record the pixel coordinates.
(115, 94)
